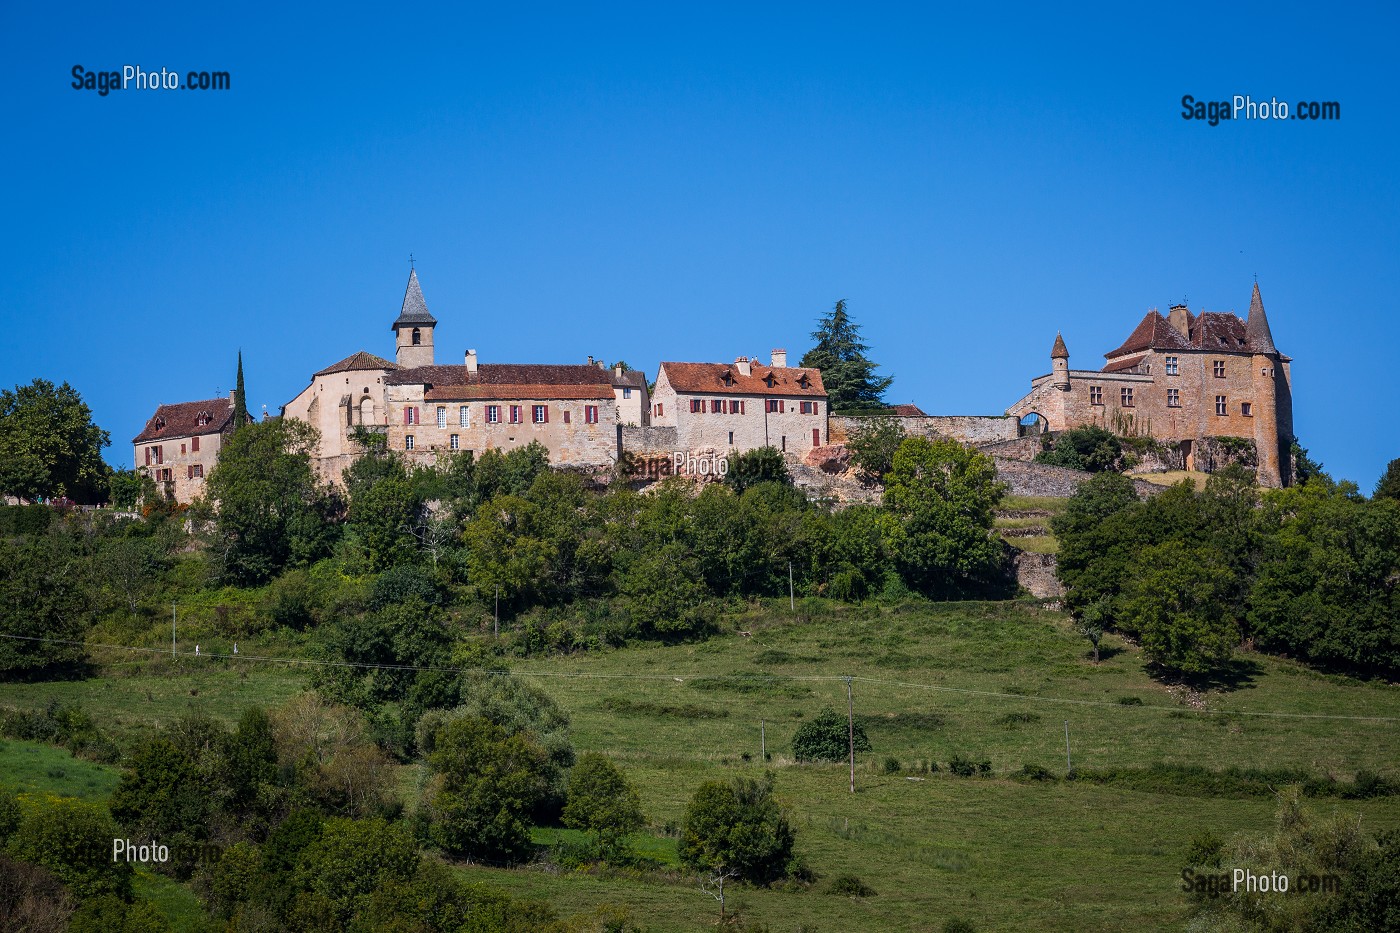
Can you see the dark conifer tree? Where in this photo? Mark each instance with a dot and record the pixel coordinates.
(850, 377)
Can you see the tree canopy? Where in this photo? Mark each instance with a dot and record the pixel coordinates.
(848, 374)
(49, 445)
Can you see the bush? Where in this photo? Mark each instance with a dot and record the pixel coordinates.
(402, 583)
(1089, 448)
(1205, 850)
(963, 766)
(1031, 772)
(602, 803)
(849, 886)
(827, 738)
(958, 925)
(738, 827)
(72, 839)
(891, 766)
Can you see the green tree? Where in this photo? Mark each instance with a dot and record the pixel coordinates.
(1388, 486)
(240, 398)
(270, 512)
(849, 376)
(828, 738)
(604, 804)
(760, 465)
(129, 488)
(485, 784)
(350, 859)
(47, 590)
(1088, 448)
(507, 552)
(939, 497)
(383, 511)
(73, 839)
(737, 828)
(49, 445)
(873, 444)
(1177, 601)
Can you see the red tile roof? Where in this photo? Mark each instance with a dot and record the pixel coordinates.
(534, 391)
(1220, 331)
(709, 379)
(1152, 333)
(183, 419)
(1118, 366)
(908, 411)
(358, 361)
(512, 380)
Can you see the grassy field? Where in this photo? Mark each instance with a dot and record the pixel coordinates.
(1024, 522)
(995, 681)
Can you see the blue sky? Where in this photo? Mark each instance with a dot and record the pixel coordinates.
(658, 181)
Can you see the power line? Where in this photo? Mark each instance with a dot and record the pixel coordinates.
(684, 677)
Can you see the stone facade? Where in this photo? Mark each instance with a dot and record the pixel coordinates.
(1180, 379)
(180, 445)
(742, 406)
(969, 429)
(341, 398)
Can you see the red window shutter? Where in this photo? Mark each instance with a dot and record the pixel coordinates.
(148, 456)
(194, 445)
(546, 414)
(566, 416)
(816, 437)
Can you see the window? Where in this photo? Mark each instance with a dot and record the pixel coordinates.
(198, 471)
(737, 407)
(784, 442)
(540, 414)
(1219, 369)
(410, 414)
(590, 414)
(696, 405)
(731, 438)
(1222, 407)
(566, 416)
(769, 381)
(1247, 409)
(517, 413)
(775, 405)
(1095, 395)
(626, 393)
(1125, 397)
(658, 410)
(809, 408)
(455, 442)
(1172, 368)
(1173, 398)
(182, 450)
(167, 475)
(464, 417)
(194, 445)
(442, 416)
(160, 454)
(408, 442)
(717, 406)
(417, 337)
(493, 414)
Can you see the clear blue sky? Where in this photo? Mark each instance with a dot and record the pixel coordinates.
(657, 182)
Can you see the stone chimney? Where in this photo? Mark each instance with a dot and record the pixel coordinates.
(745, 366)
(590, 359)
(1179, 318)
(779, 359)
(601, 364)
(617, 371)
(471, 361)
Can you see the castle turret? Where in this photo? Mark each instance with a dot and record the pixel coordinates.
(1059, 364)
(413, 331)
(1265, 378)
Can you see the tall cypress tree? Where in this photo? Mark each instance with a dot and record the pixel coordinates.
(240, 399)
(849, 376)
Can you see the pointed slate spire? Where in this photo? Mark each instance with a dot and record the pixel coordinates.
(415, 309)
(1256, 328)
(1059, 351)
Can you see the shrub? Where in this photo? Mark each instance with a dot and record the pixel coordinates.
(402, 583)
(891, 766)
(827, 738)
(1031, 772)
(963, 766)
(849, 886)
(602, 803)
(1011, 720)
(72, 839)
(1205, 849)
(738, 827)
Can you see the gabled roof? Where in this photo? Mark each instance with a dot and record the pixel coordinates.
(1118, 366)
(358, 361)
(415, 309)
(631, 378)
(710, 379)
(183, 419)
(1221, 331)
(907, 411)
(532, 391)
(514, 374)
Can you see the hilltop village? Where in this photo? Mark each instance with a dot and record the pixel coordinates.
(1205, 388)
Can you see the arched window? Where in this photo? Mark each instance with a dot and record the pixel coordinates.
(417, 337)
(366, 410)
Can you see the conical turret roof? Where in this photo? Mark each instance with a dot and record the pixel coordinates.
(1256, 326)
(415, 309)
(1059, 351)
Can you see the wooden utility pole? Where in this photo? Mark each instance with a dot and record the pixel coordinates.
(763, 739)
(1069, 765)
(792, 601)
(851, 732)
(496, 625)
(172, 630)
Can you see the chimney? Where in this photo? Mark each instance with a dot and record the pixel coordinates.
(1179, 318)
(590, 360)
(471, 361)
(745, 366)
(617, 371)
(780, 359)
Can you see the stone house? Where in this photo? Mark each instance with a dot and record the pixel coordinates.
(180, 445)
(1182, 379)
(741, 405)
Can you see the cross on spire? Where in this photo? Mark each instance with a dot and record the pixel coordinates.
(410, 261)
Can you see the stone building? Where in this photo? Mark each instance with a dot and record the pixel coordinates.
(1184, 379)
(741, 405)
(180, 445)
(425, 408)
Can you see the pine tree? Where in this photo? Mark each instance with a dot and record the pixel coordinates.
(240, 398)
(1388, 487)
(849, 376)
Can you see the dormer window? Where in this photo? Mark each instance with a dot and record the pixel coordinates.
(203, 418)
(727, 378)
(802, 380)
(769, 381)
(160, 423)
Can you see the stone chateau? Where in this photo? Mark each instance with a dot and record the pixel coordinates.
(1183, 379)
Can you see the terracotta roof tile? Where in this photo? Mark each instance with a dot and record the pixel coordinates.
(908, 411)
(709, 379)
(535, 391)
(509, 380)
(1118, 366)
(358, 361)
(1152, 333)
(183, 419)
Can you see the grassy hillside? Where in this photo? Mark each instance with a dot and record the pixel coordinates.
(995, 681)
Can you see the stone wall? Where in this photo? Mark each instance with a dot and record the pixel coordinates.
(651, 440)
(1021, 448)
(1036, 572)
(1053, 482)
(970, 429)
